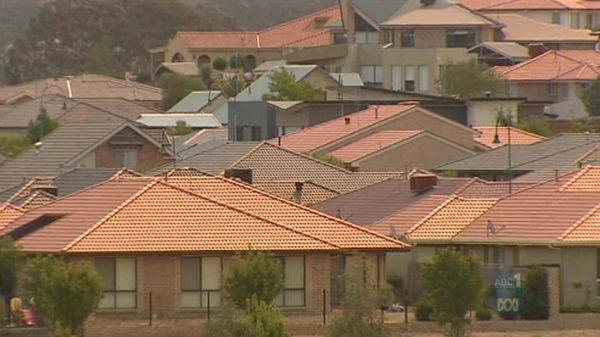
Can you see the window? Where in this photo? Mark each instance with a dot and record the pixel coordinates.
(396, 77)
(367, 37)
(575, 20)
(409, 78)
(552, 89)
(239, 133)
(389, 36)
(203, 60)
(119, 281)
(340, 38)
(423, 77)
(256, 134)
(556, 18)
(125, 158)
(371, 74)
(201, 282)
(461, 38)
(407, 39)
(293, 292)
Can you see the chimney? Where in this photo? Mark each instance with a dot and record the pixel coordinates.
(420, 183)
(347, 120)
(298, 192)
(536, 49)
(243, 174)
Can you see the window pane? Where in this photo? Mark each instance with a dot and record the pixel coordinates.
(294, 272)
(190, 299)
(294, 298)
(125, 274)
(215, 298)
(378, 74)
(367, 74)
(106, 269)
(396, 79)
(190, 273)
(409, 73)
(108, 301)
(126, 300)
(211, 273)
(361, 37)
(423, 78)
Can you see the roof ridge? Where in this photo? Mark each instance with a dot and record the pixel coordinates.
(416, 133)
(311, 210)
(551, 154)
(579, 222)
(112, 213)
(449, 199)
(247, 154)
(305, 156)
(283, 24)
(316, 33)
(588, 153)
(525, 132)
(526, 62)
(237, 209)
(574, 178)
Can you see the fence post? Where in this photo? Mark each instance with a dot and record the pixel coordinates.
(324, 306)
(208, 307)
(150, 308)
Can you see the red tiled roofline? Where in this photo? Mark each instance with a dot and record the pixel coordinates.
(583, 219)
(315, 14)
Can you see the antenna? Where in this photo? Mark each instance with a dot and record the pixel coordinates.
(491, 228)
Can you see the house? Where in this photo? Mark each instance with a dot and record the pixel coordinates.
(549, 223)
(584, 14)
(254, 47)
(87, 137)
(500, 53)
(533, 162)
(208, 101)
(82, 86)
(179, 68)
(489, 137)
(385, 138)
(262, 162)
(195, 121)
(147, 235)
(553, 76)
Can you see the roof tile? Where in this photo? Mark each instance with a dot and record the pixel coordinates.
(486, 135)
(373, 143)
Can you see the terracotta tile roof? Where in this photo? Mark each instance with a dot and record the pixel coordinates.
(185, 172)
(587, 180)
(373, 143)
(507, 5)
(184, 214)
(374, 202)
(307, 31)
(519, 28)
(441, 13)
(312, 193)
(9, 213)
(486, 135)
(449, 219)
(478, 188)
(248, 199)
(317, 136)
(37, 199)
(540, 214)
(85, 86)
(557, 66)
(400, 222)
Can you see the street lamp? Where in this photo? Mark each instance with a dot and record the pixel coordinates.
(498, 141)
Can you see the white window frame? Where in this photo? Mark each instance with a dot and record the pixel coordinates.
(423, 77)
(409, 78)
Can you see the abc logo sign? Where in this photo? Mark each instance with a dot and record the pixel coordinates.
(507, 304)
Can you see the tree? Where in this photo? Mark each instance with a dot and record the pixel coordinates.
(254, 274)
(220, 64)
(537, 125)
(63, 295)
(535, 294)
(43, 125)
(452, 283)
(206, 76)
(176, 87)
(181, 128)
(232, 87)
(236, 61)
(284, 87)
(12, 145)
(361, 315)
(469, 79)
(10, 257)
(591, 98)
(112, 36)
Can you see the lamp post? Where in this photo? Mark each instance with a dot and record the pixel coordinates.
(508, 148)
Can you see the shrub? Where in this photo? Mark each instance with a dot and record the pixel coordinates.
(483, 314)
(423, 311)
(536, 294)
(220, 64)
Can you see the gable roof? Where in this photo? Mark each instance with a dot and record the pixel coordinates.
(199, 214)
(486, 136)
(181, 68)
(310, 193)
(308, 31)
(440, 13)
(511, 5)
(373, 143)
(380, 10)
(510, 50)
(193, 120)
(519, 28)
(561, 153)
(196, 101)
(556, 66)
(319, 135)
(84, 86)
(255, 91)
